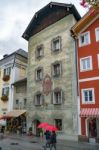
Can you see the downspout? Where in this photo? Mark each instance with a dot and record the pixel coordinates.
(78, 89)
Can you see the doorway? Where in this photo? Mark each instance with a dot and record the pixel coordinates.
(36, 130)
(93, 128)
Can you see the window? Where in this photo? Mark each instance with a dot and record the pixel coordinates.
(98, 59)
(17, 102)
(38, 100)
(58, 123)
(5, 91)
(84, 39)
(97, 34)
(39, 51)
(56, 69)
(25, 101)
(56, 44)
(7, 71)
(39, 74)
(57, 96)
(88, 95)
(86, 63)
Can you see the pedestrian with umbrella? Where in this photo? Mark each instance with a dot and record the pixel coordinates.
(52, 139)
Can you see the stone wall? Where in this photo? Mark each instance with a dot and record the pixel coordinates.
(67, 81)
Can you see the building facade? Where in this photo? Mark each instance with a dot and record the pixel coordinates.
(13, 67)
(86, 33)
(51, 78)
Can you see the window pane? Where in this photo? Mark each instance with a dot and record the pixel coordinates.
(86, 95)
(82, 39)
(57, 96)
(97, 34)
(88, 63)
(90, 96)
(86, 38)
(39, 74)
(58, 123)
(57, 69)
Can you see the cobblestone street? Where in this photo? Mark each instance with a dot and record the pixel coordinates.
(33, 143)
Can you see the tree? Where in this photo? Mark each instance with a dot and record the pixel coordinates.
(88, 3)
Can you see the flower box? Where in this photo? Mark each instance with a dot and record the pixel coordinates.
(6, 77)
(4, 98)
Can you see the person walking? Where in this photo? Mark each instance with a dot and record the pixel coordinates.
(48, 137)
(53, 140)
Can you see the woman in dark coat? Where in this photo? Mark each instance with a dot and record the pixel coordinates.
(47, 136)
(53, 140)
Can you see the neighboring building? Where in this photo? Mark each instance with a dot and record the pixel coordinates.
(20, 94)
(86, 33)
(51, 77)
(13, 67)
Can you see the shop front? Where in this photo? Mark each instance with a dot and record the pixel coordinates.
(90, 124)
(16, 121)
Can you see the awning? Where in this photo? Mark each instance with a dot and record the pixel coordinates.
(89, 112)
(15, 113)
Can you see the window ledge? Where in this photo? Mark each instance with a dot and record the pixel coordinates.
(86, 70)
(88, 102)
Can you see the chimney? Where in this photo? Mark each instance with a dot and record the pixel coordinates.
(6, 55)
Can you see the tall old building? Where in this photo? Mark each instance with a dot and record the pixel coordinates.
(51, 81)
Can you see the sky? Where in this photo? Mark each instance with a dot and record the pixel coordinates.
(15, 16)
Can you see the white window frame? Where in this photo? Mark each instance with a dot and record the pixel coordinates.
(97, 38)
(5, 90)
(98, 59)
(54, 101)
(83, 44)
(81, 65)
(83, 98)
(7, 71)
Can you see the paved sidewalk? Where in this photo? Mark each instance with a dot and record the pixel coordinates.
(60, 143)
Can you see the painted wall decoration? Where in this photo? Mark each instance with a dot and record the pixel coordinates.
(47, 84)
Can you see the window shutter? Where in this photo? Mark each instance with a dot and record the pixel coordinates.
(52, 97)
(35, 100)
(63, 96)
(42, 99)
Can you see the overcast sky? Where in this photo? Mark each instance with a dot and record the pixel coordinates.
(15, 15)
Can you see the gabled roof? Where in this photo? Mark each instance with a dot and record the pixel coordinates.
(20, 52)
(87, 18)
(44, 12)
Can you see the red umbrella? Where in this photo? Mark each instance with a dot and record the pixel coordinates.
(51, 128)
(42, 125)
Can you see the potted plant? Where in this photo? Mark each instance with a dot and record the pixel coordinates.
(4, 98)
(6, 78)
